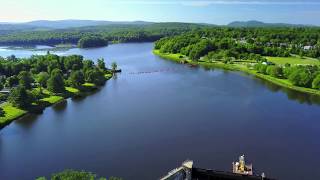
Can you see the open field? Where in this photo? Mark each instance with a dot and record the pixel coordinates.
(293, 60)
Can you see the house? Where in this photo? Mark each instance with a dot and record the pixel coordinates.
(283, 44)
(307, 48)
(267, 63)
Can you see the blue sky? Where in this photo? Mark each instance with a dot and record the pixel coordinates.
(201, 11)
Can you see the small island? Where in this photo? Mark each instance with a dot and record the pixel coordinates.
(92, 41)
(29, 85)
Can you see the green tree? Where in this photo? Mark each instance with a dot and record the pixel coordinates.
(73, 175)
(274, 71)
(261, 68)
(87, 65)
(301, 77)
(1, 86)
(316, 82)
(95, 76)
(76, 78)
(19, 97)
(114, 66)
(92, 41)
(55, 83)
(2, 113)
(25, 79)
(12, 81)
(42, 79)
(101, 64)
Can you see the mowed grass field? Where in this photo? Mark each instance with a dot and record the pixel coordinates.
(10, 113)
(293, 60)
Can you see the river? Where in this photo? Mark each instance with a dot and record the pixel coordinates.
(156, 114)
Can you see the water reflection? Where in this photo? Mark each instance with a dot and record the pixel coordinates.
(302, 98)
(27, 121)
(77, 99)
(60, 107)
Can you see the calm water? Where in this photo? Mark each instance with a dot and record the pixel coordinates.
(141, 125)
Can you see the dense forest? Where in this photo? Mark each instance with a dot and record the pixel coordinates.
(251, 47)
(116, 33)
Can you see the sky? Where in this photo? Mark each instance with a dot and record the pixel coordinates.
(199, 11)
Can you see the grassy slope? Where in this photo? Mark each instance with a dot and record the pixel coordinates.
(52, 99)
(293, 60)
(11, 113)
(240, 67)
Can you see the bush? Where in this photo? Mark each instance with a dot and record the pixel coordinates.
(274, 71)
(316, 82)
(76, 175)
(301, 77)
(19, 97)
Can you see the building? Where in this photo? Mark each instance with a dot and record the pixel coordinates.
(307, 48)
(241, 167)
(187, 171)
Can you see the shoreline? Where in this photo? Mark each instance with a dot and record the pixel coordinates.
(238, 67)
(39, 108)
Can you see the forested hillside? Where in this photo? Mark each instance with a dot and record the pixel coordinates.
(118, 33)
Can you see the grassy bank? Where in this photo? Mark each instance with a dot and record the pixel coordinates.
(12, 113)
(241, 67)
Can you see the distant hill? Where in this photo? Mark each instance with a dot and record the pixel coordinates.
(66, 24)
(63, 24)
(262, 24)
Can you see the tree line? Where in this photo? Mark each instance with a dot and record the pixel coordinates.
(302, 76)
(244, 43)
(117, 33)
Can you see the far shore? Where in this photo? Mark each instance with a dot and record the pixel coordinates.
(237, 67)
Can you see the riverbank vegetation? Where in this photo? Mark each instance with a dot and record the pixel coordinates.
(31, 84)
(286, 56)
(76, 175)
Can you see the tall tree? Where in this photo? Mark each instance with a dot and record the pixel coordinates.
(76, 78)
(25, 79)
(101, 64)
(19, 97)
(42, 79)
(114, 66)
(95, 76)
(55, 83)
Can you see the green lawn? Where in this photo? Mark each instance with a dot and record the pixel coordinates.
(174, 57)
(293, 60)
(89, 85)
(108, 76)
(72, 90)
(52, 99)
(10, 113)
